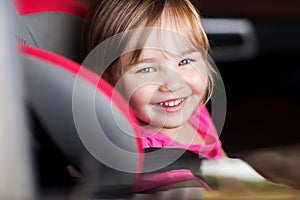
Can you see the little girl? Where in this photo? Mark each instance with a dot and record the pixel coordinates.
(166, 79)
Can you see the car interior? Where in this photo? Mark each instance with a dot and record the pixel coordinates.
(57, 105)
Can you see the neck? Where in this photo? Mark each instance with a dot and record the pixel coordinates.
(185, 133)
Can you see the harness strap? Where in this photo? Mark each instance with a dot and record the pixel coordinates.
(158, 160)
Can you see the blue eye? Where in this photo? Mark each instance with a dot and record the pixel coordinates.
(184, 62)
(146, 70)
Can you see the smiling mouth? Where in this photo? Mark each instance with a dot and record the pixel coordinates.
(171, 103)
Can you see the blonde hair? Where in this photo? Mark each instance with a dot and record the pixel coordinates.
(110, 17)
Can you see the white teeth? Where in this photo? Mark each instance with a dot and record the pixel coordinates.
(171, 103)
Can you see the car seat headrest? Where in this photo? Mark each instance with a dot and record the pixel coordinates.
(55, 25)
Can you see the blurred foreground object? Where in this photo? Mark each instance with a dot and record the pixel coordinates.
(279, 165)
(16, 178)
(235, 179)
(232, 168)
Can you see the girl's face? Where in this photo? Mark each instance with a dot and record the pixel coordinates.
(164, 88)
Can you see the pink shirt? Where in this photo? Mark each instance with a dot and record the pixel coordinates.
(212, 148)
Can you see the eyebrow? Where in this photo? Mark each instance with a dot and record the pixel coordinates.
(152, 59)
(189, 51)
(146, 60)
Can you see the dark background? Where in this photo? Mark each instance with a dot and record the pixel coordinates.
(263, 92)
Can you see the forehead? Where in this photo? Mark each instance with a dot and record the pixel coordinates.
(168, 41)
(171, 32)
(157, 39)
(159, 43)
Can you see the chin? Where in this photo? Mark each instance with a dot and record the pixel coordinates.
(172, 125)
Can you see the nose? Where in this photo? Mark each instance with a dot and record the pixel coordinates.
(171, 81)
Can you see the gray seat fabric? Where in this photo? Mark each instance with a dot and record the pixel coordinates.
(56, 32)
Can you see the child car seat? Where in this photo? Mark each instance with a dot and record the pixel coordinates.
(50, 80)
(67, 120)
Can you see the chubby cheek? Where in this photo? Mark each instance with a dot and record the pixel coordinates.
(139, 101)
(198, 82)
(137, 97)
(199, 86)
